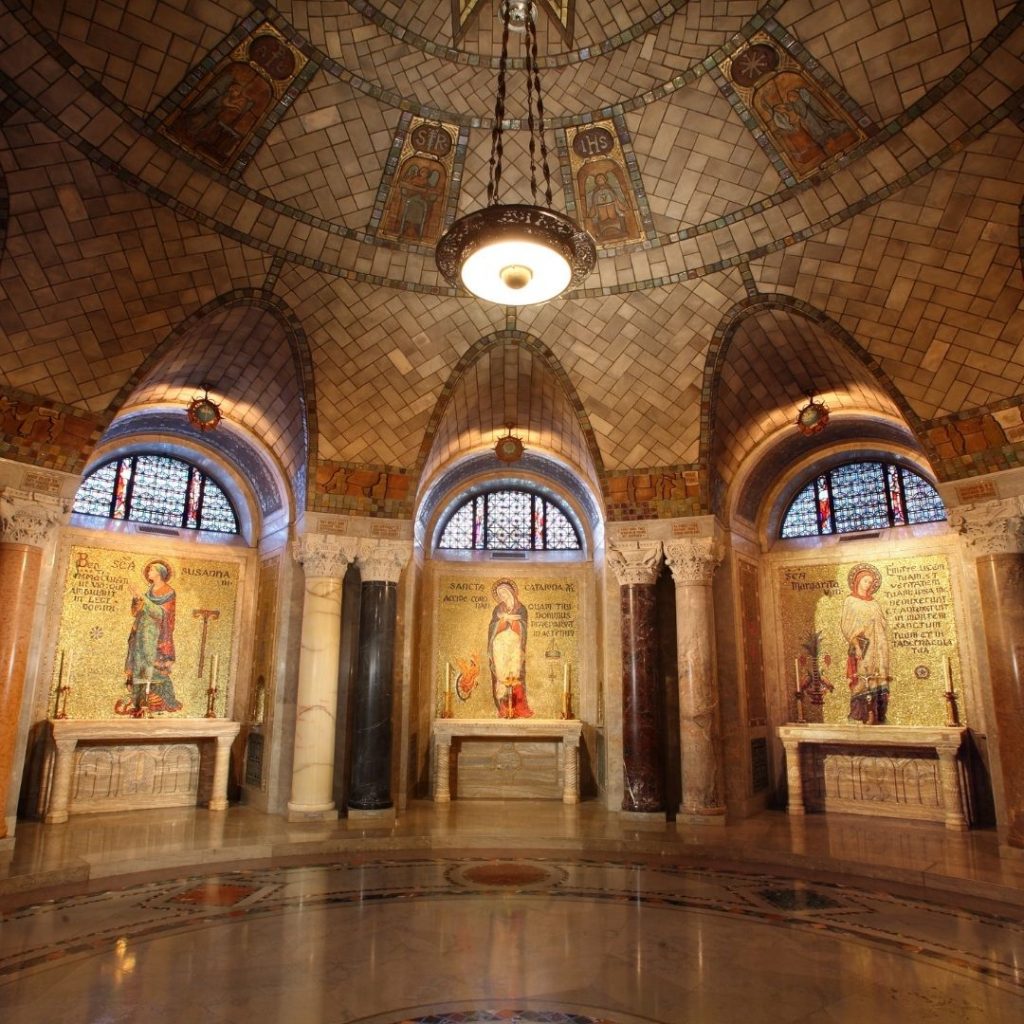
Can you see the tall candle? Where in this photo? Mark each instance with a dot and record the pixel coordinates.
(949, 674)
(60, 669)
(69, 664)
(796, 668)
(447, 677)
(565, 680)
(214, 671)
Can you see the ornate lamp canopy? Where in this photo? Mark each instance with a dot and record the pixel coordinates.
(508, 447)
(203, 413)
(812, 418)
(517, 254)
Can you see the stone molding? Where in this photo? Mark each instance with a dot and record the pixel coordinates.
(991, 527)
(635, 562)
(383, 560)
(324, 555)
(693, 562)
(29, 518)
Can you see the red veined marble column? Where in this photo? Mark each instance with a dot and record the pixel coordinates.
(26, 523)
(636, 568)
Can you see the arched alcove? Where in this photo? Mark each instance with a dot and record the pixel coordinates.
(253, 357)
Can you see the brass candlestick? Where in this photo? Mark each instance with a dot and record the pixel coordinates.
(799, 695)
(952, 711)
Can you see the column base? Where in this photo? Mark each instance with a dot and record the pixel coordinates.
(6, 847)
(304, 812)
(384, 817)
(654, 820)
(715, 816)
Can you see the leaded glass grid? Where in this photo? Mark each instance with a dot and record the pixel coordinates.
(510, 519)
(158, 490)
(862, 496)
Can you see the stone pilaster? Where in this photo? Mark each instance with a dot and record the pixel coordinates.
(993, 532)
(693, 563)
(325, 560)
(635, 565)
(381, 563)
(27, 523)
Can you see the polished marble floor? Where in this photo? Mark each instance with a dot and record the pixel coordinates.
(507, 912)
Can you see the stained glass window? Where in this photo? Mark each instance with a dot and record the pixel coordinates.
(862, 496)
(158, 490)
(510, 519)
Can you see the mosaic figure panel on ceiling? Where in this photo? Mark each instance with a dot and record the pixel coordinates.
(417, 199)
(604, 192)
(802, 121)
(233, 100)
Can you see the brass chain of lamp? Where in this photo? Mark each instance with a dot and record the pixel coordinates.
(534, 122)
(517, 254)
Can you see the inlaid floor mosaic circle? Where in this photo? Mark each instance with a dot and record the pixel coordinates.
(515, 875)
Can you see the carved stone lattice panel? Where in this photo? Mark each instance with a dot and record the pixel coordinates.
(897, 782)
(109, 778)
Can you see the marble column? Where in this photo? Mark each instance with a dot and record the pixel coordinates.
(325, 560)
(693, 563)
(994, 532)
(381, 563)
(26, 524)
(636, 568)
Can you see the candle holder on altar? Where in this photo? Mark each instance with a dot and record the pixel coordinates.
(61, 708)
(952, 711)
(211, 698)
(567, 712)
(799, 698)
(508, 703)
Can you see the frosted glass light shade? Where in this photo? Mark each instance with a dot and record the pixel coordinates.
(515, 255)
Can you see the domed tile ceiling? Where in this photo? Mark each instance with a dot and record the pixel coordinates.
(866, 161)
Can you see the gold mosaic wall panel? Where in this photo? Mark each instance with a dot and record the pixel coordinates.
(900, 624)
(125, 621)
(510, 641)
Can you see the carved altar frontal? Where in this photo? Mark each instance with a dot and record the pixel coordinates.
(496, 770)
(901, 783)
(914, 773)
(108, 777)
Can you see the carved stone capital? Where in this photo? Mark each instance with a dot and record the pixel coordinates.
(693, 562)
(991, 527)
(383, 560)
(29, 518)
(324, 555)
(635, 561)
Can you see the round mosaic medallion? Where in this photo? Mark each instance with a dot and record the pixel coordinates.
(506, 874)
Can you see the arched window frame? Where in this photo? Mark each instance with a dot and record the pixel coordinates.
(898, 509)
(485, 493)
(197, 477)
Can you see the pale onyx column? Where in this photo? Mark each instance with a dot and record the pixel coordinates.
(325, 560)
(994, 532)
(26, 525)
(381, 563)
(643, 767)
(693, 563)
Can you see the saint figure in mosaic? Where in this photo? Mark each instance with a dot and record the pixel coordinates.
(807, 125)
(506, 651)
(865, 629)
(147, 667)
(416, 204)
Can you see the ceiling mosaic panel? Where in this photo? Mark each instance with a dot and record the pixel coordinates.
(907, 238)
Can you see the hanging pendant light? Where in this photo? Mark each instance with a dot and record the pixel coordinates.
(517, 254)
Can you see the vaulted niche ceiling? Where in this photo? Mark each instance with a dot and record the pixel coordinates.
(772, 358)
(247, 356)
(510, 381)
